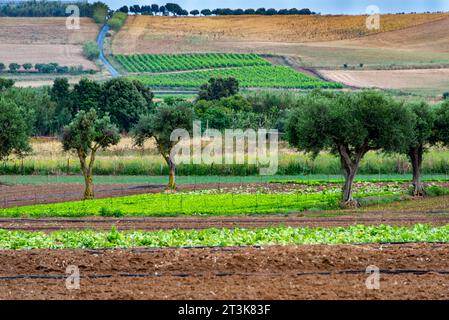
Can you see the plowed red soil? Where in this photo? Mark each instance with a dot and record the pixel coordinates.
(153, 224)
(408, 271)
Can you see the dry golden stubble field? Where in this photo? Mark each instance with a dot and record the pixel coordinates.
(45, 40)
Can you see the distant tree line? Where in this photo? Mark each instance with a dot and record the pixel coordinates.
(97, 10)
(52, 67)
(176, 10)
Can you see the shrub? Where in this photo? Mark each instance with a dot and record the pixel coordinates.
(91, 50)
(117, 21)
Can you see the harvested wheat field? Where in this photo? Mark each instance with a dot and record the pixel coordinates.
(44, 40)
(391, 79)
(157, 34)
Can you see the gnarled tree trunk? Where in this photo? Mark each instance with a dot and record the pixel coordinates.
(171, 178)
(88, 191)
(349, 167)
(87, 170)
(416, 155)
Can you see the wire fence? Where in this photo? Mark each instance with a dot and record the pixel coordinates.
(19, 190)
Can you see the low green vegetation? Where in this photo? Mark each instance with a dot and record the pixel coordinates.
(117, 20)
(176, 62)
(196, 203)
(248, 77)
(20, 240)
(91, 50)
(218, 181)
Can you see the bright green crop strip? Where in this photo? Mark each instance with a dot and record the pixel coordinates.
(253, 77)
(182, 204)
(177, 62)
(221, 237)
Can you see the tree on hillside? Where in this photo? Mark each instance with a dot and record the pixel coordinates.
(124, 9)
(123, 101)
(27, 66)
(422, 135)
(173, 8)
(85, 135)
(13, 67)
(160, 125)
(14, 130)
(2, 67)
(194, 13)
(135, 9)
(250, 11)
(206, 12)
(218, 88)
(348, 125)
(155, 8)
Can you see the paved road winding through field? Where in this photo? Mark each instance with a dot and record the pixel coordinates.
(100, 42)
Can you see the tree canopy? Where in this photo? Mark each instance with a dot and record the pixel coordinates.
(349, 125)
(85, 135)
(14, 130)
(159, 125)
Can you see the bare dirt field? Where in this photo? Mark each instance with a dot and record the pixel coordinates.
(44, 40)
(407, 271)
(311, 220)
(391, 79)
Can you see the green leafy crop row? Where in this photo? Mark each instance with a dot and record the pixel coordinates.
(177, 62)
(249, 77)
(221, 237)
(182, 204)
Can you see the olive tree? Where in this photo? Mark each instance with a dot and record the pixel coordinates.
(422, 136)
(85, 135)
(159, 125)
(14, 130)
(442, 124)
(348, 125)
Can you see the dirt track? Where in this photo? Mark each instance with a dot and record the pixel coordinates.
(419, 271)
(154, 224)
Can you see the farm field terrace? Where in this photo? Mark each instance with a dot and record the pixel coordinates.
(208, 200)
(249, 77)
(177, 62)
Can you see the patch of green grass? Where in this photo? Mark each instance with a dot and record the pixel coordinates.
(181, 204)
(221, 237)
(311, 180)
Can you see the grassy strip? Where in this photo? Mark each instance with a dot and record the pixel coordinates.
(221, 237)
(319, 182)
(311, 180)
(181, 204)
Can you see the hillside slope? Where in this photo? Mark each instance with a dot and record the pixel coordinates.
(168, 34)
(44, 40)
